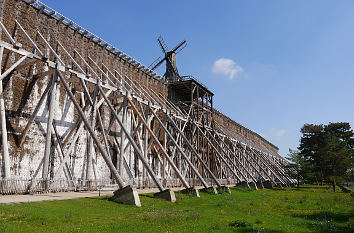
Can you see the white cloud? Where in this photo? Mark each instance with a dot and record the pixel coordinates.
(227, 67)
(278, 132)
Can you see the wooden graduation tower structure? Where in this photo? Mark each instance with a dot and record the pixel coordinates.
(78, 114)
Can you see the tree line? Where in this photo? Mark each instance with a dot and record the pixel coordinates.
(325, 154)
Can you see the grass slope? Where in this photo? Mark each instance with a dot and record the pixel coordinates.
(310, 209)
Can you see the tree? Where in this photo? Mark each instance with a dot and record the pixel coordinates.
(328, 150)
(309, 148)
(338, 151)
(295, 166)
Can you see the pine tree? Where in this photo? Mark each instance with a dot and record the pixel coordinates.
(327, 151)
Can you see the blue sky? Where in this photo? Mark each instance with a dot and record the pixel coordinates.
(283, 63)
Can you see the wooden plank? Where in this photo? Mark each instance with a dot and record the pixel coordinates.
(13, 42)
(138, 152)
(49, 129)
(90, 149)
(8, 71)
(5, 148)
(109, 163)
(29, 39)
(184, 182)
(180, 150)
(40, 102)
(194, 151)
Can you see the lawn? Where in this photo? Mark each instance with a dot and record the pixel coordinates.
(309, 209)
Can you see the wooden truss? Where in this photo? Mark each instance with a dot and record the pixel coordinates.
(144, 139)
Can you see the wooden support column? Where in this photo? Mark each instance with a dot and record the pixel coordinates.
(49, 128)
(149, 131)
(90, 148)
(269, 165)
(131, 140)
(233, 152)
(266, 165)
(122, 136)
(181, 150)
(106, 158)
(34, 114)
(194, 151)
(5, 149)
(228, 157)
(218, 153)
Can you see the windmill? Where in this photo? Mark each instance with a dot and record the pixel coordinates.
(171, 73)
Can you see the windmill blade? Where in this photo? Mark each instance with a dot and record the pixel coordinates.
(180, 46)
(158, 63)
(157, 60)
(162, 44)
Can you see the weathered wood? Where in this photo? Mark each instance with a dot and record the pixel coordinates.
(122, 136)
(61, 154)
(51, 49)
(226, 155)
(184, 182)
(5, 149)
(109, 163)
(173, 150)
(259, 173)
(194, 151)
(90, 149)
(269, 167)
(180, 150)
(139, 153)
(29, 39)
(49, 127)
(13, 42)
(34, 114)
(9, 70)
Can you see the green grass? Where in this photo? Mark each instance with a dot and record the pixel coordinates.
(310, 209)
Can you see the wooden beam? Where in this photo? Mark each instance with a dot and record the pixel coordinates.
(180, 150)
(31, 119)
(194, 151)
(108, 161)
(8, 71)
(138, 152)
(90, 149)
(49, 129)
(29, 39)
(184, 182)
(5, 149)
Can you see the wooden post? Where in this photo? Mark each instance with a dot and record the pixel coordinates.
(228, 157)
(181, 150)
(122, 137)
(108, 161)
(49, 128)
(233, 153)
(41, 100)
(131, 140)
(90, 149)
(5, 149)
(149, 131)
(194, 151)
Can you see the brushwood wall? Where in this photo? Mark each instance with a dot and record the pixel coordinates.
(22, 90)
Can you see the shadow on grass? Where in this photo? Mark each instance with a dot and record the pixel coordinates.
(328, 222)
(243, 226)
(147, 195)
(101, 198)
(246, 190)
(250, 229)
(325, 215)
(314, 188)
